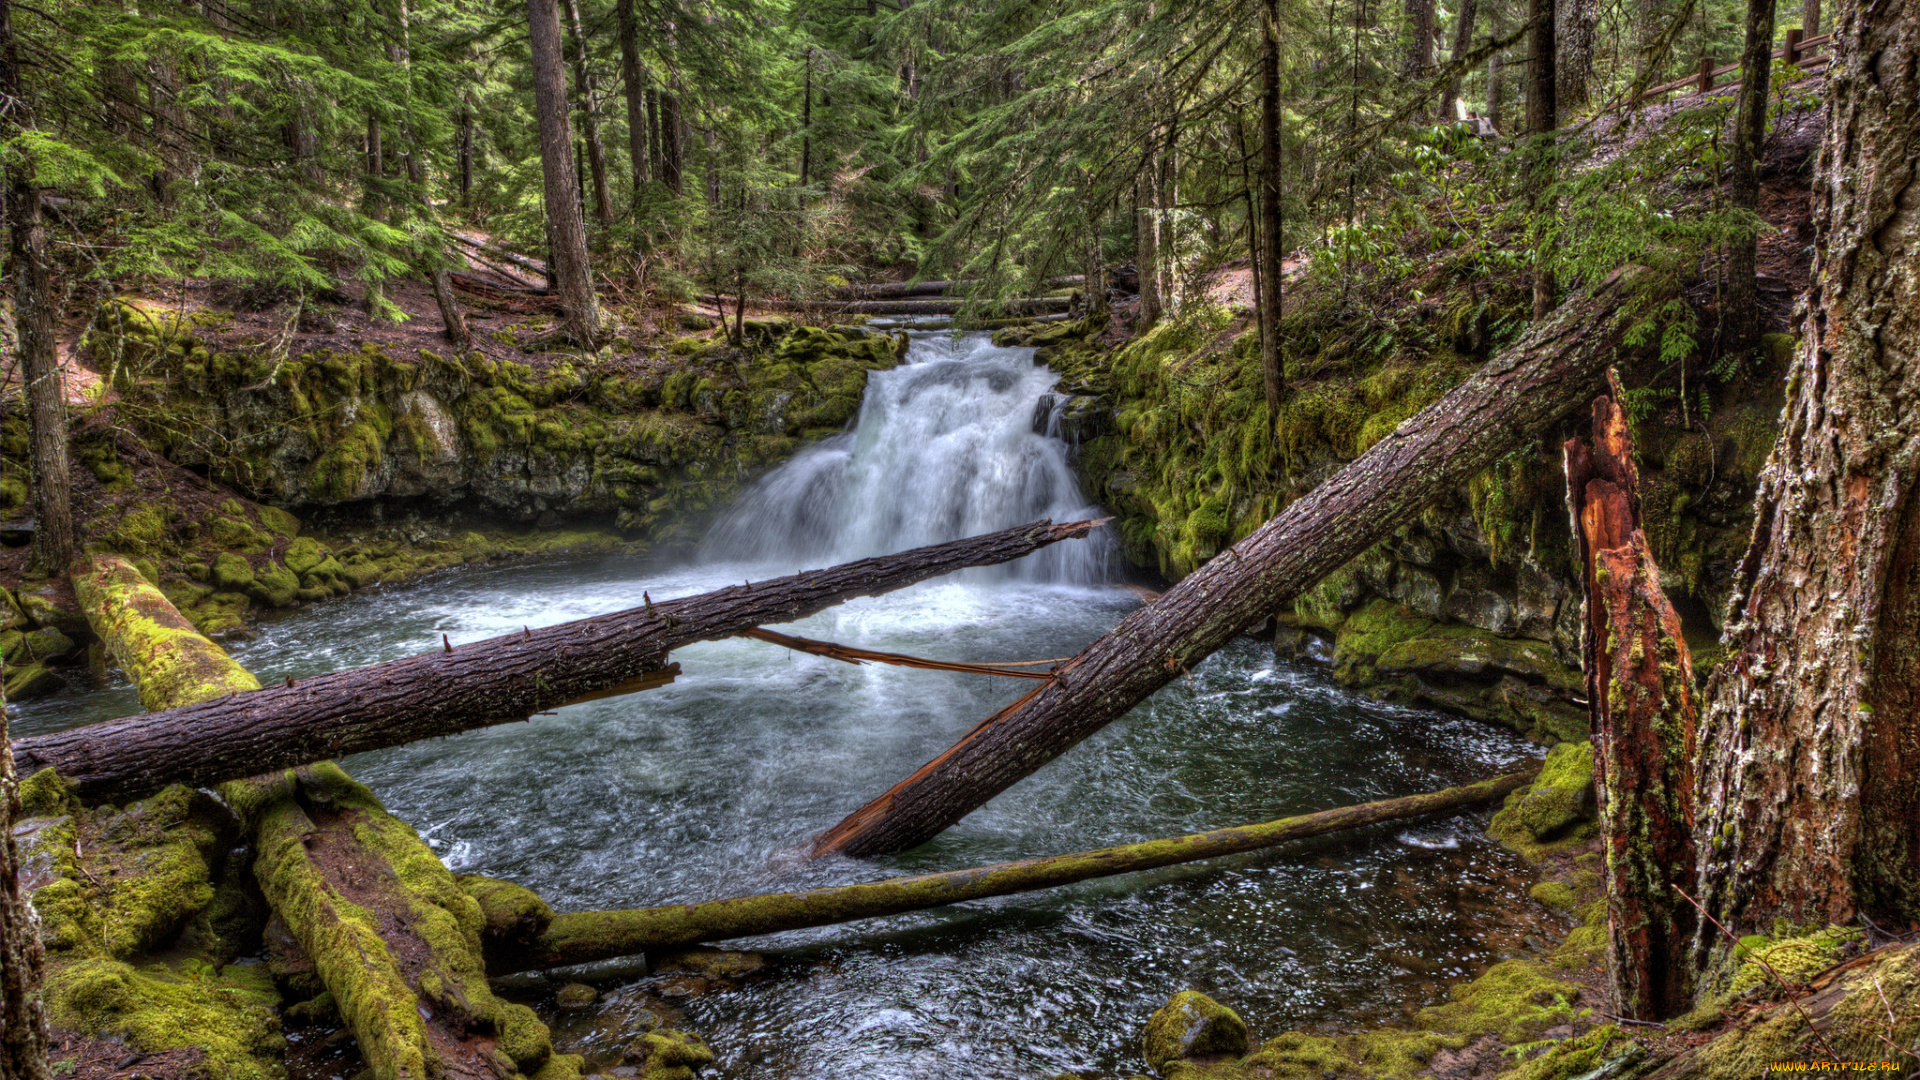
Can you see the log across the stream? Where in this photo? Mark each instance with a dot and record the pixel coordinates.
(453, 689)
(589, 936)
(392, 935)
(1512, 398)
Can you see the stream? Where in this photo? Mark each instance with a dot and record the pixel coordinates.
(707, 787)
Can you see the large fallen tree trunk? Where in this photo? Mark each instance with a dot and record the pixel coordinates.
(1513, 397)
(589, 936)
(481, 684)
(1003, 308)
(893, 290)
(392, 936)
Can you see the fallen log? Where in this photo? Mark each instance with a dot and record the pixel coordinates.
(1640, 698)
(1514, 396)
(999, 309)
(894, 290)
(453, 689)
(585, 937)
(392, 935)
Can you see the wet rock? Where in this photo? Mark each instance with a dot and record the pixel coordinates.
(45, 605)
(1561, 798)
(682, 986)
(668, 1055)
(1193, 1026)
(513, 912)
(232, 573)
(32, 681)
(712, 963)
(47, 643)
(576, 996)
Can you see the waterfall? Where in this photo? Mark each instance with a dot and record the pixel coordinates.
(956, 441)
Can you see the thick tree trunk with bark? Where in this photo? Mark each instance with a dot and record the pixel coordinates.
(1810, 749)
(1418, 63)
(1272, 226)
(451, 689)
(1740, 325)
(54, 545)
(566, 230)
(1463, 20)
(1146, 253)
(1640, 697)
(1519, 392)
(23, 1019)
(1575, 24)
(1810, 18)
(1036, 306)
(1496, 87)
(589, 936)
(392, 936)
(672, 145)
(634, 82)
(590, 117)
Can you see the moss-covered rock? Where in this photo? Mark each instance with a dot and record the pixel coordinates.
(32, 680)
(1192, 1025)
(512, 913)
(228, 1014)
(668, 1055)
(1557, 807)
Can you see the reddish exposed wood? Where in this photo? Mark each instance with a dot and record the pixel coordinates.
(1640, 698)
(446, 691)
(1527, 386)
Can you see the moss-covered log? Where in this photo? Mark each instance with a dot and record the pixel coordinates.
(1037, 306)
(393, 936)
(1640, 696)
(600, 935)
(1527, 386)
(205, 739)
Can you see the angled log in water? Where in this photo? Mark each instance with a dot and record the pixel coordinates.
(1512, 398)
(392, 935)
(455, 689)
(1035, 306)
(1640, 696)
(589, 936)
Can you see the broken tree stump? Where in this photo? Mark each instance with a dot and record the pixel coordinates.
(589, 936)
(392, 935)
(454, 689)
(1515, 395)
(1640, 699)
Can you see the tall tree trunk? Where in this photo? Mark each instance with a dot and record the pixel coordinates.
(1543, 116)
(1810, 18)
(1810, 750)
(23, 1019)
(1576, 22)
(1166, 243)
(1463, 20)
(453, 323)
(806, 122)
(1740, 318)
(466, 153)
(566, 231)
(1640, 698)
(672, 144)
(634, 81)
(1517, 393)
(54, 545)
(1496, 87)
(709, 168)
(656, 146)
(1418, 63)
(1146, 256)
(1272, 226)
(590, 117)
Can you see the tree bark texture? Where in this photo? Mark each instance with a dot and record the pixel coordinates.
(590, 117)
(1146, 255)
(453, 689)
(54, 545)
(1036, 305)
(392, 936)
(1418, 63)
(1515, 395)
(1810, 750)
(590, 936)
(23, 1018)
(566, 230)
(1740, 326)
(1272, 226)
(634, 81)
(1640, 698)
(672, 145)
(1576, 22)
(1496, 88)
(1810, 18)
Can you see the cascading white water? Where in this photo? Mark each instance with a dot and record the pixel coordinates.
(944, 447)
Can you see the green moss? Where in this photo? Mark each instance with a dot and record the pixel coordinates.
(47, 794)
(1192, 1025)
(227, 1015)
(1788, 956)
(1556, 809)
(1515, 1000)
(669, 1055)
(510, 912)
(1554, 894)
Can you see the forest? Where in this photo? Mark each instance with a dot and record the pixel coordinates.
(501, 505)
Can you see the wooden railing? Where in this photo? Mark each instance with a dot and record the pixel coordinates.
(1812, 54)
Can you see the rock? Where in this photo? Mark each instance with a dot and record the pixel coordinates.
(668, 1055)
(575, 996)
(32, 681)
(1192, 1025)
(304, 554)
(13, 647)
(232, 573)
(513, 912)
(713, 963)
(44, 605)
(274, 586)
(1561, 797)
(11, 617)
(47, 643)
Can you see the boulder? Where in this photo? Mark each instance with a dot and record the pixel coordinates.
(1561, 798)
(1193, 1026)
(232, 573)
(32, 681)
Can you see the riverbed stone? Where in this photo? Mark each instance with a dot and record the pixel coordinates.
(32, 681)
(1192, 1025)
(232, 573)
(575, 996)
(1561, 798)
(668, 1055)
(47, 643)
